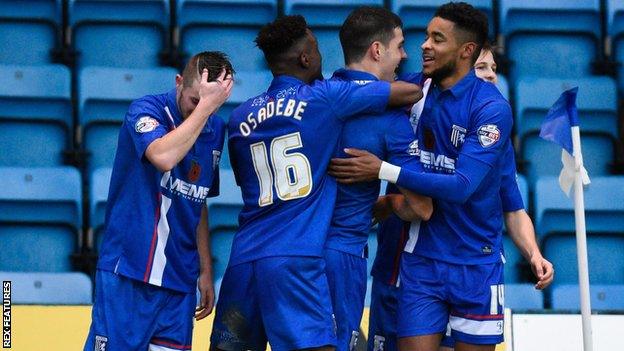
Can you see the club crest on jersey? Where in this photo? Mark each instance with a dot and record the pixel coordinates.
(488, 135)
(216, 158)
(458, 135)
(146, 124)
(195, 172)
(100, 343)
(412, 149)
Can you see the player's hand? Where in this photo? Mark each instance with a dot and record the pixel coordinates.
(382, 209)
(216, 92)
(363, 166)
(543, 271)
(207, 296)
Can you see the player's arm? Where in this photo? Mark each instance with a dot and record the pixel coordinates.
(408, 207)
(205, 283)
(165, 152)
(473, 164)
(404, 93)
(520, 229)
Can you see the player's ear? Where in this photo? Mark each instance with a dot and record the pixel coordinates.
(179, 80)
(468, 49)
(304, 60)
(376, 50)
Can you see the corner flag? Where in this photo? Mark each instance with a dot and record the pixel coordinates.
(558, 127)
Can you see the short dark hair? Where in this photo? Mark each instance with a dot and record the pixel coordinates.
(467, 19)
(364, 26)
(279, 36)
(214, 61)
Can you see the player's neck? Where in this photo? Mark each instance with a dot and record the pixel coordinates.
(365, 66)
(450, 81)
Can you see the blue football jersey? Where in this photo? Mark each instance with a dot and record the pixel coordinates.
(464, 130)
(280, 144)
(387, 135)
(151, 216)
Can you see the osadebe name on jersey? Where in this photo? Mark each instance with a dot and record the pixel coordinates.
(189, 191)
(272, 108)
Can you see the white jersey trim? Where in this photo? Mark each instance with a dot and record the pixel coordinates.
(160, 259)
(473, 327)
(413, 236)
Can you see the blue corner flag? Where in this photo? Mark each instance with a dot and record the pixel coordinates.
(557, 127)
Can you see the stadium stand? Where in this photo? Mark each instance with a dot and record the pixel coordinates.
(131, 33)
(40, 216)
(223, 220)
(30, 34)
(555, 38)
(523, 297)
(604, 206)
(503, 86)
(104, 96)
(602, 297)
(597, 106)
(615, 29)
(225, 25)
(325, 18)
(68, 288)
(98, 196)
(35, 115)
(416, 16)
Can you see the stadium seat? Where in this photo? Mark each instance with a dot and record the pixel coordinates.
(130, 33)
(98, 196)
(596, 103)
(606, 261)
(604, 206)
(104, 96)
(601, 297)
(229, 26)
(543, 158)
(30, 32)
(49, 288)
(35, 115)
(523, 297)
(223, 213)
(503, 86)
(40, 213)
(514, 262)
(416, 16)
(325, 19)
(615, 29)
(556, 38)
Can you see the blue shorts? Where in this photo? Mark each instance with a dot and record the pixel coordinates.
(382, 325)
(346, 275)
(282, 300)
(468, 297)
(131, 315)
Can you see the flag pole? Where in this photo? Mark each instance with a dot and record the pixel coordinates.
(581, 241)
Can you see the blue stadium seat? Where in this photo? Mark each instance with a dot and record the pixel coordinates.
(604, 206)
(104, 96)
(30, 31)
(35, 115)
(543, 158)
(98, 196)
(503, 86)
(223, 213)
(49, 288)
(596, 102)
(601, 297)
(325, 18)
(523, 297)
(416, 16)
(130, 33)
(40, 213)
(615, 29)
(514, 262)
(606, 261)
(229, 26)
(555, 38)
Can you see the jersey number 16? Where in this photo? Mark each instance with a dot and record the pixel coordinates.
(291, 173)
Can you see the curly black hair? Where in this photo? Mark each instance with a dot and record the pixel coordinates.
(277, 37)
(472, 22)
